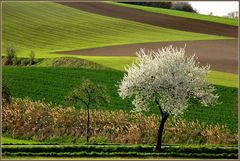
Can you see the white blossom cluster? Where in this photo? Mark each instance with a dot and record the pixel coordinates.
(166, 77)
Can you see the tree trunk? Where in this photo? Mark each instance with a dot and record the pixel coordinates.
(160, 131)
(88, 122)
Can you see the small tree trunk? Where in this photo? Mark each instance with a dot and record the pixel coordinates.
(160, 131)
(88, 122)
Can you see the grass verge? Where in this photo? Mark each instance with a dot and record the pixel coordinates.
(122, 151)
(12, 141)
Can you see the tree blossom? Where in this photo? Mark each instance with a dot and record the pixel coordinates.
(169, 79)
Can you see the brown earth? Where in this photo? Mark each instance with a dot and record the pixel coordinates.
(222, 55)
(156, 19)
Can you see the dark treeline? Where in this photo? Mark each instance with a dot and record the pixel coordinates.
(182, 6)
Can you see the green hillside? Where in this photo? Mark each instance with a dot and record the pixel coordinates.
(120, 62)
(216, 19)
(50, 27)
(53, 84)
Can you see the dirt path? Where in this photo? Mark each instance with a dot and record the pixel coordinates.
(222, 55)
(156, 19)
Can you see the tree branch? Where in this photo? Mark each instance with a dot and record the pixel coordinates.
(89, 96)
(159, 106)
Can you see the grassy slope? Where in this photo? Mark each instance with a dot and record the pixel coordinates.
(216, 19)
(224, 79)
(52, 84)
(49, 27)
(8, 141)
(119, 63)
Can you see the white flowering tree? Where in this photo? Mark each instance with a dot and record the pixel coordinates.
(170, 80)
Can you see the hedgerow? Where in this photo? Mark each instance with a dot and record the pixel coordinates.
(124, 154)
(120, 148)
(39, 121)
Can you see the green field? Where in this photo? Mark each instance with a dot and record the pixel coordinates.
(51, 84)
(114, 62)
(216, 19)
(128, 151)
(10, 141)
(119, 63)
(50, 27)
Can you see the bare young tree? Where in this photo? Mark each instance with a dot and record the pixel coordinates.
(32, 58)
(168, 79)
(88, 95)
(233, 14)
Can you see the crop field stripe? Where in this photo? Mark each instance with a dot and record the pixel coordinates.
(203, 49)
(216, 19)
(202, 151)
(49, 27)
(161, 20)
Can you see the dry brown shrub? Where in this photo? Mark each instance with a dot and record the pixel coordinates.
(25, 119)
(219, 134)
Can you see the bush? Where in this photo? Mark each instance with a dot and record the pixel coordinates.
(11, 57)
(24, 62)
(183, 6)
(24, 119)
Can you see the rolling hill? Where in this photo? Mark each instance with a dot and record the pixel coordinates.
(50, 27)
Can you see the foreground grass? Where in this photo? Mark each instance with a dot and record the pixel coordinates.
(129, 151)
(53, 84)
(50, 27)
(224, 79)
(71, 158)
(9, 141)
(216, 19)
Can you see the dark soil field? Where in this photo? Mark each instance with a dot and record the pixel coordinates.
(221, 54)
(156, 19)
